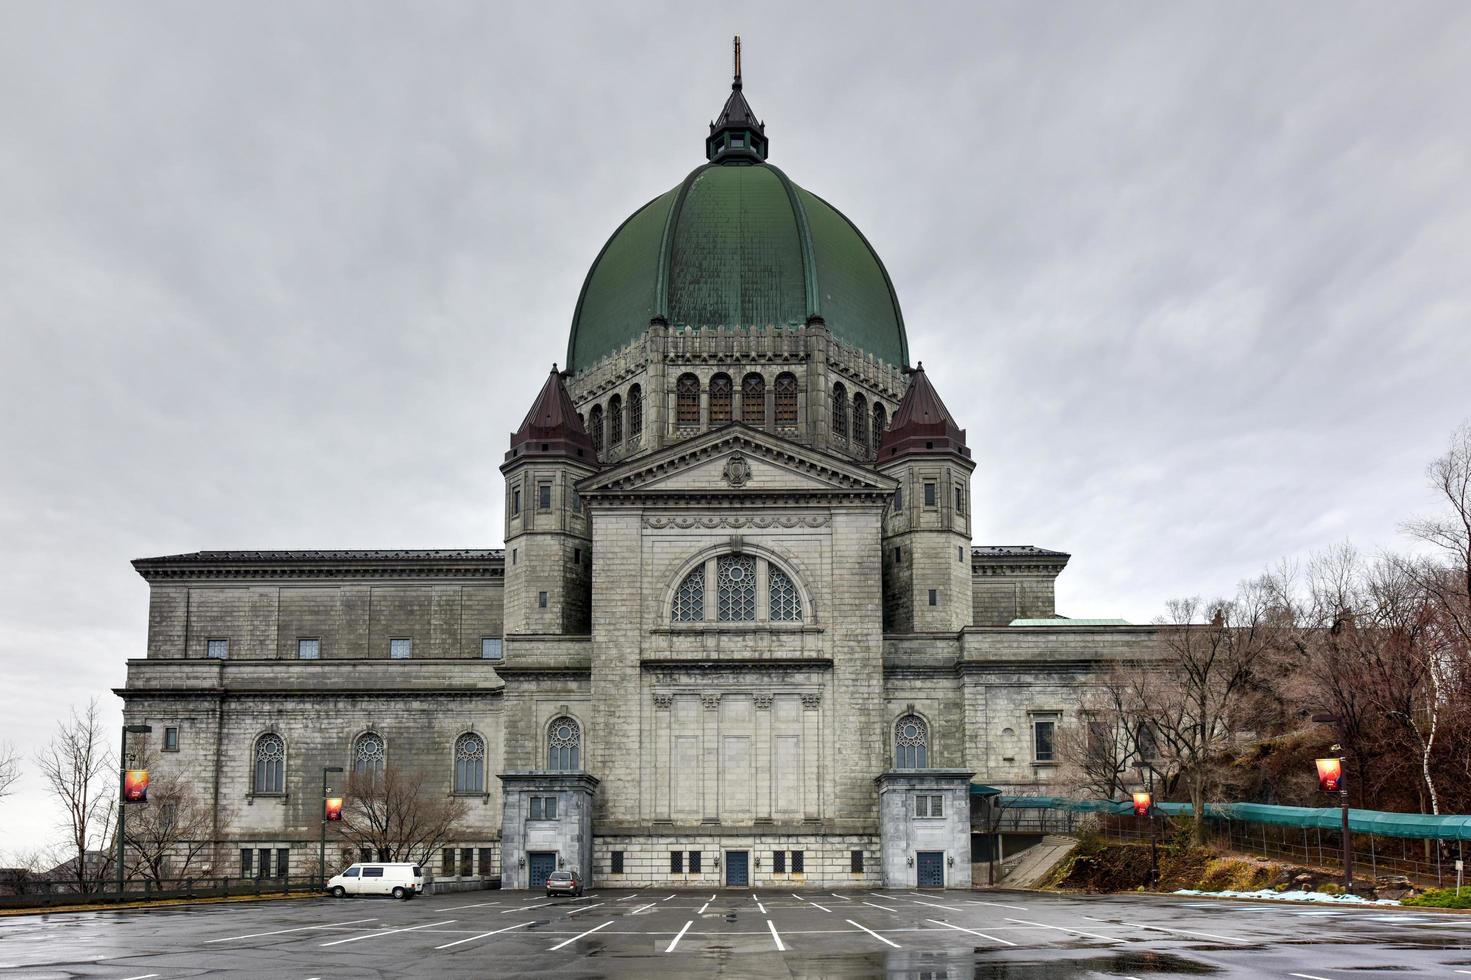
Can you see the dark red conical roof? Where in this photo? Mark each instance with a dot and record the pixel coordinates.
(552, 427)
(921, 424)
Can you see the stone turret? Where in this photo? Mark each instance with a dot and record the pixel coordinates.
(548, 535)
(927, 569)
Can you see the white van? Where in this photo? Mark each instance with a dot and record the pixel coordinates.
(398, 880)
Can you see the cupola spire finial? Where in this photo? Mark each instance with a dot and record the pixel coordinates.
(737, 83)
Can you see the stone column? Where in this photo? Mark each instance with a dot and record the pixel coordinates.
(765, 764)
(663, 755)
(811, 757)
(711, 748)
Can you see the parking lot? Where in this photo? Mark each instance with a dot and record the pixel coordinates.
(741, 933)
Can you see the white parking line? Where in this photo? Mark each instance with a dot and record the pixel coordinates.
(257, 935)
(774, 937)
(574, 939)
(1076, 932)
(666, 899)
(641, 908)
(886, 908)
(1001, 905)
(141, 976)
(629, 898)
(493, 932)
(937, 905)
(994, 939)
(1187, 932)
(873, 934)
(583, 909)
(704, 907)
(816, 906)
(760, 906)
(1306, 976)
(477, 905)
(523, 908)
(836, 895)
(675, 941)
(380, 935)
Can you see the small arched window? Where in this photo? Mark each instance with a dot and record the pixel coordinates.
(753, 400)
(469, 763)
(635, 412)
(595, 428)
(735, 585)
(860, 422)
(369, 754)
(786, 399)
(880, 422)
(721, 394)
(687, 400)
(689, 598)
(564, 745)
(911, 743)
(270, 764)
(615, 420)
(840, 410)
(784, 601)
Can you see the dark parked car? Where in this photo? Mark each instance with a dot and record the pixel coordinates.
(564, 883)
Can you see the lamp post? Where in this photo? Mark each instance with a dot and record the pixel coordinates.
(1330, 780)
(122, 800)
(322, 843)
(1148, 811)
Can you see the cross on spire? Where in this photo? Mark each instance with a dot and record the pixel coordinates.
(736, 135)
(737, 83)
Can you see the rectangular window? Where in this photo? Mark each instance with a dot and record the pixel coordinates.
(283, 862)
(1044, 731)
(218, 649)
(934, 597)
(490, 648)
(960, 553)
(959, 499)
(401, 649)
(534, 813)
(897, 554)
(513, 555)
(541, 600)
(676, 862)
(798, 861)
(616, 866)
(544, 496)
(576, 501)
(372, 872)
(467, 862)
(247, 861)
(263, 863)
(694, 862)
(171, 739)
(929, 495)
(899, 499)
(447, 861)
(365, 854)
(543, 808)
(779, 861)
(487, 861)
(515, 501)
(921, 806)
(308, 649)
(577, 556)
(855, 862)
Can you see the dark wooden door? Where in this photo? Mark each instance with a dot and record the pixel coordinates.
(931, 869)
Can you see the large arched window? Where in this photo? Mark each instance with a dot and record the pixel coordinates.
(786, 399)
(564, 745)
(615, 420)
(860, 422)
(911, 743)
(721, 394)
(270, 765)
(737, 588)
(469, 763)
(635, 412)
(840, 410)
(687, 400)
(369, 754)
(880, 422)
(753, 400)
(595, 428)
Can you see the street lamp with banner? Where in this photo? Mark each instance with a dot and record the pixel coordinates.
(328, 813)
(123, 795)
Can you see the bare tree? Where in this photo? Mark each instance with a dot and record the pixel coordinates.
(1449, 580)
(79, 773)
(396, 815)
(1103, 746)
(9, 769)
(172, 835)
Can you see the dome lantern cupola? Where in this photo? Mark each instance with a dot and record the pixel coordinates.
(736, 136)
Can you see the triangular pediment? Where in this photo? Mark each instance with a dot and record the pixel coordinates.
(737, 459)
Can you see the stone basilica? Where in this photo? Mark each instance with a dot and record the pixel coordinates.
(738, 633)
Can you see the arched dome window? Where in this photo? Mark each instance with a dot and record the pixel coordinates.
(687, 400)
(635, 412)
(564, 745)
(840, 410)
(911, 743)
(753, 400)
(369, 754)
(860, 422)
(270, 765)
(595, 428)
(786, 399)
(880, 422)
(737, 588)
(721, 394)
(615, 420)
(469, 763)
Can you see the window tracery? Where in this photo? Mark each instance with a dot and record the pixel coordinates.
(840, 410)
(721, 394)
(469, 763)
(784, 601)
(735, 582)
(270, 764)
(369, 753)
(786, 399)
(689, 598)
(564, 745)
(911, 743)
(687, 400)
(753, 400)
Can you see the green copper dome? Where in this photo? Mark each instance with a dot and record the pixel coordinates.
(737, 244)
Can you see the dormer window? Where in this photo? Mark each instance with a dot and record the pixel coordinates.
(737, 142)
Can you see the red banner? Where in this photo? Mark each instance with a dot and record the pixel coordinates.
(135, 786)
(1330, 775)
(334, 809)
(1142, 803)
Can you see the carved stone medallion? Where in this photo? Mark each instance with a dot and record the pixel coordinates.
(737, 470)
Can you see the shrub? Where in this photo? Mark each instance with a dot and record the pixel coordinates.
(1441, 898)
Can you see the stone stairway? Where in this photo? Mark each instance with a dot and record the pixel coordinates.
(1031, 866)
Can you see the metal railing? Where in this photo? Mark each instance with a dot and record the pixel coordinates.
(39, 893)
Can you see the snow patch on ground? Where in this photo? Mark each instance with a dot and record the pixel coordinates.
(1268, 895)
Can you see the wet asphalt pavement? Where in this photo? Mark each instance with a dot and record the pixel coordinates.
(741, 933)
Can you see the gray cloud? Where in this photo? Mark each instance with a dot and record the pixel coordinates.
(1193, 277)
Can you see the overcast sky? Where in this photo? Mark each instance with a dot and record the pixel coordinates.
(1196, 278)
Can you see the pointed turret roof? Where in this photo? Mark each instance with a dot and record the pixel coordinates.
(552, 427)
(736, 135)
(921, 424)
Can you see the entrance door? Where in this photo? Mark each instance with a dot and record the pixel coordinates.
(735, 868)
(543, 863)
(931, 869)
